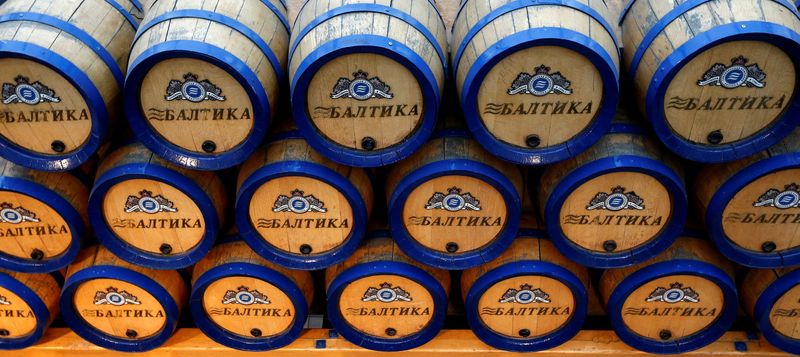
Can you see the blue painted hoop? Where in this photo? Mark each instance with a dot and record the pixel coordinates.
(39, 311)
(620, 163)
(716, 206)
(74, 221)
(763, 307)
(365, 44)
(305, 169)
(545, 36)
(137, 5)
(77, 324)
(215, 56)
(520, 268)
(233, 340)
(131, 254)
(674, 267)
(128, 17)
(463, 167)
(780, 36)
(405, 270)
(88, 91)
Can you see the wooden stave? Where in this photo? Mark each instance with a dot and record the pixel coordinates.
(45, 311)
(759, 290)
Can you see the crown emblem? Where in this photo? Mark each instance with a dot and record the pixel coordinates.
(540, 83)
(453, 201)
(386, 293)
(193, 89)
(674, 294)
(616, 200)
(23, 91)
(4, 300)
(115, 297)
(15, 215)
(787, 198)
(361, 87)
(738, 74)
(146, 202)
(298, 203)
(244, 296)
(526, 294)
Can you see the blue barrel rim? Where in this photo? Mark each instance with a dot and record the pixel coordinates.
(365, 44)
(125, 13)
(37, 306)
(232, 340)
(73, 219)
(618, 163)
(76, 322)
(777, 35)
(89, 93)
(763, 306)
(220, 58)
(167, 176)
(462, 167)
(569, 39)
(310, 170)
(137, 5)
(674, 267)
(404, 270)
(523, 268)
(722, 197)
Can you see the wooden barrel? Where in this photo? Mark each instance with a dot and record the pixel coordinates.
(153, 213)
(679, 301)
(120, 306)
(621, 202)
(452, 205)
(717, 80)
(538, 80)
(381, 299)
(61, 66)
(204, 79)
(245, 302)
(531, 298)
(298, 209)
(772, 298)
(367, 77)
(748, 205)
(42, 218)
(28, 304)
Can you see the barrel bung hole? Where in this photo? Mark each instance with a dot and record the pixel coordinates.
(256, 332)
(306, 249)
(58, 146)
(165, 249)
(391, 332)
(37, 254)
(209, 146)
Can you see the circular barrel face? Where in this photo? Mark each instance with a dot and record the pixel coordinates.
(42, 111)
(153, 216)
(301, 215)
(386, 306)
(730, 92)
(760, 216)
(619, 210)
(672, 307)
(119, 309)
(248, 307)
(526, 306)
(196, 106)
(18, 318)
(454, 209)
(357, 97)
(550, 92)
(31, 229)
(785, 314)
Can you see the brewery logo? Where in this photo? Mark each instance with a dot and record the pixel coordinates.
(738, 74)
(453, 201)
(361, 88)
(15, 215)
(788, 198)
(298, 203)
(29, 93)
(541, 83)
(112, 296)
(148, 203)
(244, 296)
(675, 294)
(193, 90)
(386, 293)
(617, 200)
(4, 301)
(525, 295)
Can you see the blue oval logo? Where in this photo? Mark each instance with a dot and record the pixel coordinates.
(453, 202)
(194, 90)
(150, 205)
(616, 202)
(28, 94)
(541, 84)
(11, 215)
(299, 205)
(361, 90)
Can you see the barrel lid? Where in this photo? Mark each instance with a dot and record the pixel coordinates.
(386, 306)
(117, 308)
(741, 215)
(222, 307)
(475, 207)
(28, 316)
(654, 300)
(776, 312)
(136, 209)
(304, 193)
(505, 306)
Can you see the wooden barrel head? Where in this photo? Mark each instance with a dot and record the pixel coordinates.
(191, 103)
(784, 315)
(736, 89)
(31, 229)
(359, 96)
(41, 111)
(550, 92)
(19, 319)
(150, 215)
(119, 309)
